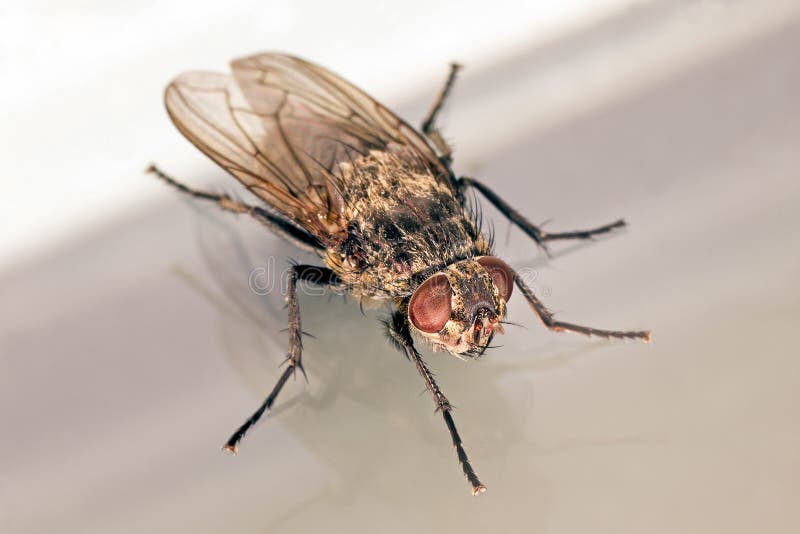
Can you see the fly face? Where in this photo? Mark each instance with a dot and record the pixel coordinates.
(460, 309)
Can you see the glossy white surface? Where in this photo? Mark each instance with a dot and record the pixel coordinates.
(131, 345)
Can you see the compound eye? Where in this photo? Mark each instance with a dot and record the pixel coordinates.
(429, 309)
(502, 275)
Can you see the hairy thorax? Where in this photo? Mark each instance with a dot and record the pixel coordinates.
(403, 223)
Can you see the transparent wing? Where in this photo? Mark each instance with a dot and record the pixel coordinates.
(282, 125)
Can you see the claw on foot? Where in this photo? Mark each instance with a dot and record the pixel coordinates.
(233, 449)
(478, 489)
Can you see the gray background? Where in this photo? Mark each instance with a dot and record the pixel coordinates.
(131, 349)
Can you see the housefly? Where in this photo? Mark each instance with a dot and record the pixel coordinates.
(338, 174)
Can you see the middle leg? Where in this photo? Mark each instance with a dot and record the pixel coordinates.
(310, 273)
(534, 232)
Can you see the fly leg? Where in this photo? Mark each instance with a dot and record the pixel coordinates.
(311, 273)
(550, 321)
(428, 125)
(400, 335)
(278, 225)
(534, 232)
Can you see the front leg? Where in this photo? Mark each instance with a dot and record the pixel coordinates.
(310, 273)
(534, 232)
(549, 320)
(400, 334)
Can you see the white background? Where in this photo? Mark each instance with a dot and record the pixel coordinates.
(131, 346)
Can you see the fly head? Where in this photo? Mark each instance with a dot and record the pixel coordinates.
(460, 308)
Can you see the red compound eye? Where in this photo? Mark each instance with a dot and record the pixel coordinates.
(429, 309)
(502, 275)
